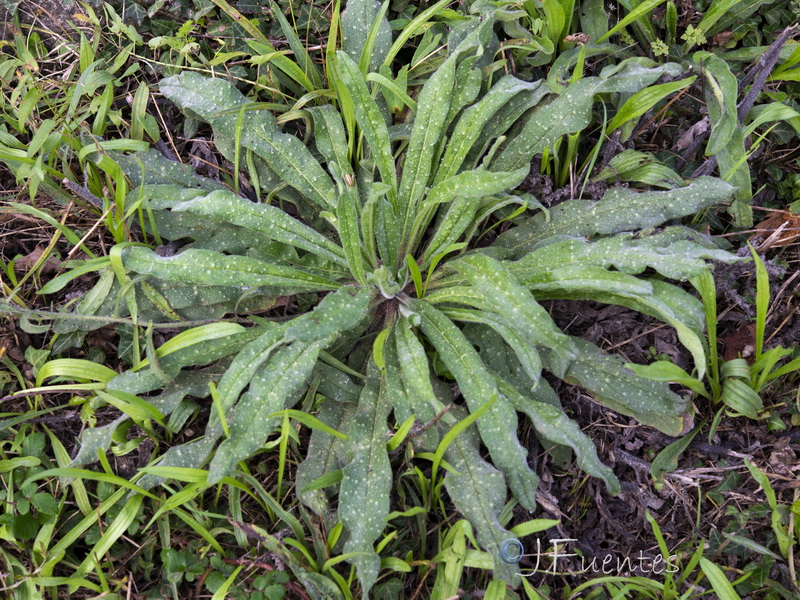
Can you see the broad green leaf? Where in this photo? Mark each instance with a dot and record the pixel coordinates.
(338, 311)
(432, 110)
(367, 478)
(468, 129)
(523, 348)
(507, 297)
(321, 458)
(676, 259)
(273, 388)
(666, 461)
(621, 390)
(153, 168)
(358, 19)
(416, 378)
(212, 268)
(656, 298)
(460, 215)
(722, 90)
(273, 222)
(620, 209)
(662, 370)
(478, 491)
(571, 111)
(242, 370)
(719, 582)
(75, 368)
(94, 440)
(741, 398)
(471, 184)
(350, 234)
(194, 454)
(330, 138)
(216, 101)
(498, 426)
(643, 100)
(370, 120)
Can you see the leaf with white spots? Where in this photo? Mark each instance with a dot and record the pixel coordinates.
(367, 478)
(432, 110)
(331, 140)
(370, 120)
(271, 221)
(607, 379)
(620, 209)
(479, 492)
(216, 101)
(321, 457)
(498, 426)
(357, 21)
(150, 167)
(416, 378)
(470, 125)
(347, 219)
(671, 257)
(212, 268)
(338, 311)
(505, 296)
(274, 387)
(571, 111)
(553, 424)
(651, 297)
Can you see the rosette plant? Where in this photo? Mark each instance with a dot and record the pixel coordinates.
(401, 315)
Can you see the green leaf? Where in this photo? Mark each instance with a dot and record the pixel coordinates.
(606, 378)
(370, 120)
(498, 426)
(298, 48)
(722, 90)
(633, 15)
(367, 478)
(645, 99)
(416, 378)
(478, 491)
(741, 398)
(216, 100)
(321, 458)
(666, 461)
(75, 368)
(662, 370)
(338, 311)
(571, 111)
(667, 253)
(330, 137)
(349, 233)
(357, 21)
(273, 388)
(470, 184)
(273, 222)
(722, 587)
(241, 371)
(212, 268)
(470, 125)
(460, 215)
(505, 296)
(621, 209)
(553, 424)
(429, 122)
